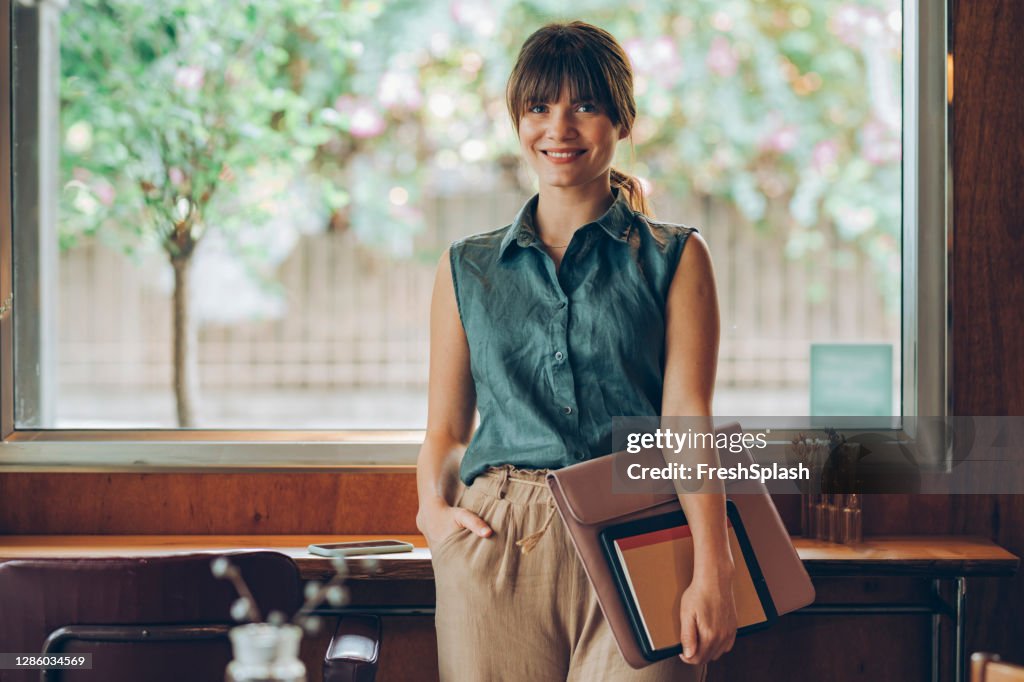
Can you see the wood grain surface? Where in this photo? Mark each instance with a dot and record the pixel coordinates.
(925, 556)
(988, 284)
(196, 503)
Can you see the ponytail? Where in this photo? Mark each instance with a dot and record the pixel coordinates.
(634, 190)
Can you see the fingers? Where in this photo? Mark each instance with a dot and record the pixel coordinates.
(716, 644)
(689, 640)
(703, 645)
(729, 645)
(468, 519)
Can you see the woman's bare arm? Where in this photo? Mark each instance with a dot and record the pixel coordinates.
(691, 357)
(451, 402)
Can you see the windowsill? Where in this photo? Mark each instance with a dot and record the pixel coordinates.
(209, 451)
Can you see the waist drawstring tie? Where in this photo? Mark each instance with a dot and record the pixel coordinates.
(527, 544)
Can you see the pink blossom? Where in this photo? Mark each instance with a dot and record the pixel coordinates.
(105, 192)
(363, 118)
(176, 176)
(480, 16)
(879, 144)
(656, 58)
(80, 174)
(855, 25)
(782, 139)
(824, 155)
(189, 77)
(635, 50)
(721, 59)
(399, 90)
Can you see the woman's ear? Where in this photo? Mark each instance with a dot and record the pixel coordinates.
(623, 132)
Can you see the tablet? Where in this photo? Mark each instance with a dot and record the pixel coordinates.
(652, 561)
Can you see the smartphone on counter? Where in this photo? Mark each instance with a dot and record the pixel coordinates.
(332, 549)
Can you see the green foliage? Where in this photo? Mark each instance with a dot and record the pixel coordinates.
(766, 103)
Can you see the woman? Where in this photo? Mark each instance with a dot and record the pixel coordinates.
(582, 309)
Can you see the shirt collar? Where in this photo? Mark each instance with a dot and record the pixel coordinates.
(616, 222)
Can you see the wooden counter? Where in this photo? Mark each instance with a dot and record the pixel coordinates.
(396, 585)
(931, 556)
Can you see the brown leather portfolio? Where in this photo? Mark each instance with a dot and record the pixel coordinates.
(585, 501)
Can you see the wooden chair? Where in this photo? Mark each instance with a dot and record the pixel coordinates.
(988, 668)
(158, 619)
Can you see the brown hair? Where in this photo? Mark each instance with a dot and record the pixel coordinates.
(592, 64)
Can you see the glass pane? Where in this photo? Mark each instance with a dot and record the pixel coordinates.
(301, 166)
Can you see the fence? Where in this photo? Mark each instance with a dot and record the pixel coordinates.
(356, 318)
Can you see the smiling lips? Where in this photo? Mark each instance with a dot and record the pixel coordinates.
(563, 155)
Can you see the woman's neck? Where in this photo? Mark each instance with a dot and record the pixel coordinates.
(561, 211)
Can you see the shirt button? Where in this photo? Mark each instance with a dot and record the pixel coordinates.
(559, 356)
(579, 455)
(567, 410)
(561, 304)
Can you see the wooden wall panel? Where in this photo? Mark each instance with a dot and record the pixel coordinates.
(207, 503)
(988, 283)
(988, 258)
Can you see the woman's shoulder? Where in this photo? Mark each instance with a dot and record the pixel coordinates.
(663, 232)
(481, 243)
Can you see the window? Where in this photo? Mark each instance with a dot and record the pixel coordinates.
(299, 174)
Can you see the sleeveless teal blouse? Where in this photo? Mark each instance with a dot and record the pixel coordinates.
(554, 356)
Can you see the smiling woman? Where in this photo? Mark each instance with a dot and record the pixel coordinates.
(539, 341)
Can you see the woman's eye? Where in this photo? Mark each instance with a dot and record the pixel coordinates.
(536, 109)
(588, 108)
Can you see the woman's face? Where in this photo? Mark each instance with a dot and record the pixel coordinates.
(568, 144)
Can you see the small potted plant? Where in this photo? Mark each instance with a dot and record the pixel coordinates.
(269, 651)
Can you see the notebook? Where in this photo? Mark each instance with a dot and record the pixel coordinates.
(652, 560)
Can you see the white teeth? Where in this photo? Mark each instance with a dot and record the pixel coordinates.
(562, 155)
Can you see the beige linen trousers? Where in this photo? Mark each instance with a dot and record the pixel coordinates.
(506, 616)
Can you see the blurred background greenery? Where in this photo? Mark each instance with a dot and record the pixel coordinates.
(253, 125)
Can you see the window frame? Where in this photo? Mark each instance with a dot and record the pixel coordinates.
(926, 322)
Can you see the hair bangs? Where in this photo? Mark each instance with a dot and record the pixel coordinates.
(558, 63)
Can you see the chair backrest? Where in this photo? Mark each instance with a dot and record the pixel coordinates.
(988, 668)
(40, 597)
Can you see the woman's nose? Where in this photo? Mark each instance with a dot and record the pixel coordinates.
(561, 126)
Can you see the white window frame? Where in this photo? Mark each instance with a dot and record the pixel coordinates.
(926, 332)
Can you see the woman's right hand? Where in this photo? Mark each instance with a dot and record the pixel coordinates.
(439, 519)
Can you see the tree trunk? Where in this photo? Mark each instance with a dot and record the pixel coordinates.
(186, 370)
